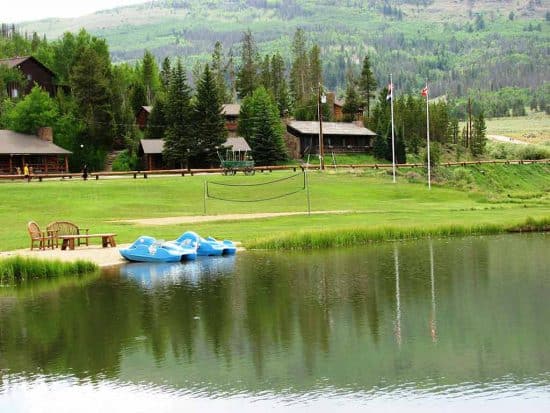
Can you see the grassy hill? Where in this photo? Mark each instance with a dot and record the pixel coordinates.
(458, 44)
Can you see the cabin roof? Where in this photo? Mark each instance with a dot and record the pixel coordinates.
(155, 146)
(330, 128)
(152, 146)
(16, 61)
(15, 143)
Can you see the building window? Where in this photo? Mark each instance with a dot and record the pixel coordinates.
(29, 77)
(14, 93)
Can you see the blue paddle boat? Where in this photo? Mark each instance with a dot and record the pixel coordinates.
(207, 246)
(148, 249)
(229, 247)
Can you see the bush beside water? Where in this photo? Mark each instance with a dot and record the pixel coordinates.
(20, 268)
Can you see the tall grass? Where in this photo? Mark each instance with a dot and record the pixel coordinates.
(360, 236)
(21, 268)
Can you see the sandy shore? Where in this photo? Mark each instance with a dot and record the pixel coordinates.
(104, 257)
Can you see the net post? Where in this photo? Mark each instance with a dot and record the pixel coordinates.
(306, 179)
(204, 197)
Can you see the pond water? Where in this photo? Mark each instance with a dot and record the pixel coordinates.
(429, 325)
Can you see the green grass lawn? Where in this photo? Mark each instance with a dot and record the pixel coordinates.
(490, 194)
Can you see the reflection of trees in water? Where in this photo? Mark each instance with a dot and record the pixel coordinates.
(295, 310)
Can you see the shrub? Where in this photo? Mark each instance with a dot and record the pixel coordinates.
(125, 162)
(533, 152)
(461, 174)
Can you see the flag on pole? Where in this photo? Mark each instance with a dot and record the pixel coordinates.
(425, 91)
(390, 91)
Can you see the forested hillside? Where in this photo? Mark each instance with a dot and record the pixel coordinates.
(459, 45)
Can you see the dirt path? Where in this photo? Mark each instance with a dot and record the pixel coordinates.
(507, 139)
(227, 217)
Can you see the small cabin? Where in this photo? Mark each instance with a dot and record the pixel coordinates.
(34, 72)
(338, 137)
(143, 116)
(37, 151)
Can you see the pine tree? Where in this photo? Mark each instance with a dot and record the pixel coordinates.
(260, 125)
(400, 152)
(209, 122)
(156, 123)
(367, 84)
(479, 135)
(218, 71)
(150, 75)
(138, 97)
(279, 84)
(352, 104)
(265, 73)
(315, 68)
(380, 147)
(179, 145)
(90, 84)
(247, 76)
(165, 74)
(299, 70)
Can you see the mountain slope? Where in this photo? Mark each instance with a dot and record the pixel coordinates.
(458, 44)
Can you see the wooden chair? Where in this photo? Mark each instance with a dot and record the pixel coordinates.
(43, 238)
(67, 228)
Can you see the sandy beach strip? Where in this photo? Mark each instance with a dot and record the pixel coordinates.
(103, 257)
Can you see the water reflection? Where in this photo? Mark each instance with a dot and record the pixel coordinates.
(297, 325)
(433, 320)
(397, 298)
(152, 275)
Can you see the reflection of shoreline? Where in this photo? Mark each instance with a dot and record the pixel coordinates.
(151, 275)
(433, 321)
(397, 299)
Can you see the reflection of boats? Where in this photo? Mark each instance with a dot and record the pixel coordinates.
(206, 246)
(148, 249)
(150, 274)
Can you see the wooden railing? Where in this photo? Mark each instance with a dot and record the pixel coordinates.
(191, 172)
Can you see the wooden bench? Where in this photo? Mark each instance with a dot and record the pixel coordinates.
(60, 228)
(107, 240)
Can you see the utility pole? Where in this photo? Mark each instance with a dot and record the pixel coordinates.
(321, 144)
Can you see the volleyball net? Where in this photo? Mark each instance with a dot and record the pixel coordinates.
(256, 192)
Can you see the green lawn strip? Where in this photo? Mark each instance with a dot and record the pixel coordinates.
(499, 195)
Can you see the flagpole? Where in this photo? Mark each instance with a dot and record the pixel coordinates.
(428, 134)
(392, 129)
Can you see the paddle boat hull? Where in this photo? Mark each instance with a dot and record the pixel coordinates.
(207, 246)
(148, 249)
(229, 247)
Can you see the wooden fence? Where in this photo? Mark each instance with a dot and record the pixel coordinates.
(184, 172)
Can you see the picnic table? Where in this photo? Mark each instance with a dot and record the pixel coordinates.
(107, 240)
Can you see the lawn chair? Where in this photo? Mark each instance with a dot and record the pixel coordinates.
(43, 238)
